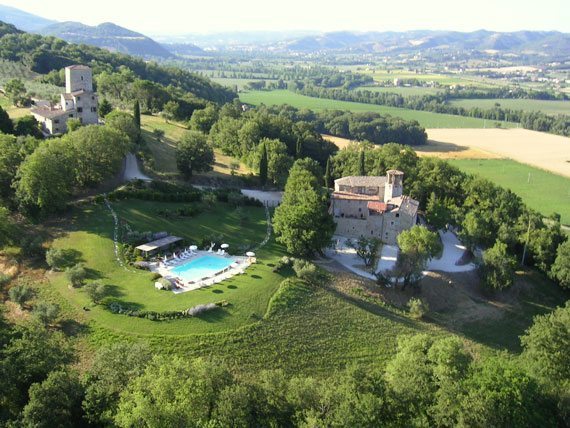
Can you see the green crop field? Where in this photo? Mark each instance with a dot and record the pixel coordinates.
(548, 107)
(239, 83)
(405, 91)
(426, 119)
(541, 190)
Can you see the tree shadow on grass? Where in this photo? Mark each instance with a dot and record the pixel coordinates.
(214, 315)
(217, 291)
(232, 287)
(256, 276)
(93, 274)
(72, 328)
(112, 290)
(70, 257)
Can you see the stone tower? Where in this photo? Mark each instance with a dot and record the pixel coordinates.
(394, 184)
(78, 78)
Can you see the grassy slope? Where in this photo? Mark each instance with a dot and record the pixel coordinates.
(307, 330)
(426, 119)
(546, 192)
(91, 235)
(402, 90)
(164, 150)
(549, 107)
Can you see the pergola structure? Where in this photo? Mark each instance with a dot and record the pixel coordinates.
(153, 247)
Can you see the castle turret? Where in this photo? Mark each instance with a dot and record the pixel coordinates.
(394, 184)
(78, 78)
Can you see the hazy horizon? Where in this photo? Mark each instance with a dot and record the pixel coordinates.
(173, 18)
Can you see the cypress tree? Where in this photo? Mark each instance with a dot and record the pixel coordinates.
(299, 149)
(361, 166)
(328, 174)
(263, 166)
(137, 114)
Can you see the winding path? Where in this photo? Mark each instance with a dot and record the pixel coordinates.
(132, 169)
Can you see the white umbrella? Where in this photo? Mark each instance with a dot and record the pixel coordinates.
(224, 246)
(193, 247)
(165, 259)
(250, 254)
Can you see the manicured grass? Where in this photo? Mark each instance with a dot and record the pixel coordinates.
(426, 119)
(541, 190)
(90, 233)
(548, 107)
(164, 150)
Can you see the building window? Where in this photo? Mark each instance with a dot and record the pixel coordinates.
(71, 115)
(93, 109)
(359, 210)
(93, 97)
(372, 232)
(79, 109)
(397, 214)
(391, 223)
(56, 121)
(78, 98)
(81, 77)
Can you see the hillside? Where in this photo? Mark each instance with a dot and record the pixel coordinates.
(107, 36)
(23, 20)
(43, 54)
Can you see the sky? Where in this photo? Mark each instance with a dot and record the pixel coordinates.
(170, 17)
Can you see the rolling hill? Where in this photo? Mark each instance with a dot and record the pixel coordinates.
(108, 36)
(23, 20)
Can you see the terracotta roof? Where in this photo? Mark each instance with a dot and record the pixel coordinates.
(362, 181)
(354, 196)
(377, 206)
(49, 113)
(67, 96)
(80, 92)
(406, 205)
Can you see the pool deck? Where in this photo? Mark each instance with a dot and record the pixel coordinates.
(183, 286)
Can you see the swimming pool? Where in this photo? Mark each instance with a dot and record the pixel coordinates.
(203, 267)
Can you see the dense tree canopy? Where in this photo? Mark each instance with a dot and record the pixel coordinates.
(302, 222)
(194, 154)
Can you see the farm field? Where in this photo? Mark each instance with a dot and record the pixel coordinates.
(13, 112)
(541, 150)
(401, 90)
(539, 189)
(239, 83)
(548, 107)
(426, 119)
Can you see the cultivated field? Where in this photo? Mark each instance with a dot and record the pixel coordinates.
(426, 119)
(405, 91)
(548, 107)
(541, 190)
(545, 151)
(239, 83)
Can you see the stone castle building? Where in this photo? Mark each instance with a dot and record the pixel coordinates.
(79, 101)
(373, 207)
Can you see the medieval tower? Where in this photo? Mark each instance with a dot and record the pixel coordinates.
(394, 184)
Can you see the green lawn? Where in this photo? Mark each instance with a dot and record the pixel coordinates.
(548, 107)
(541, 190)
(90, 233)
(426, 119)
(302, 329)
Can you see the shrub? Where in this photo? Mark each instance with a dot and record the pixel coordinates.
(20, 294)
(199, 309)
(155, 276)
(76, 275)
(418, 308)
(4, 279)
(166, 284)
(56, 258)
(283, 263)
(46, 313)
(32, 246)
(97, 291)
(209, 199)
(307, 271)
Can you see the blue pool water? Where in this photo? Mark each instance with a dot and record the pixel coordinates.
(205, 266)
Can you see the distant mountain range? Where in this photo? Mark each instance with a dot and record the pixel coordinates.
(108, 35)
(537, 42)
